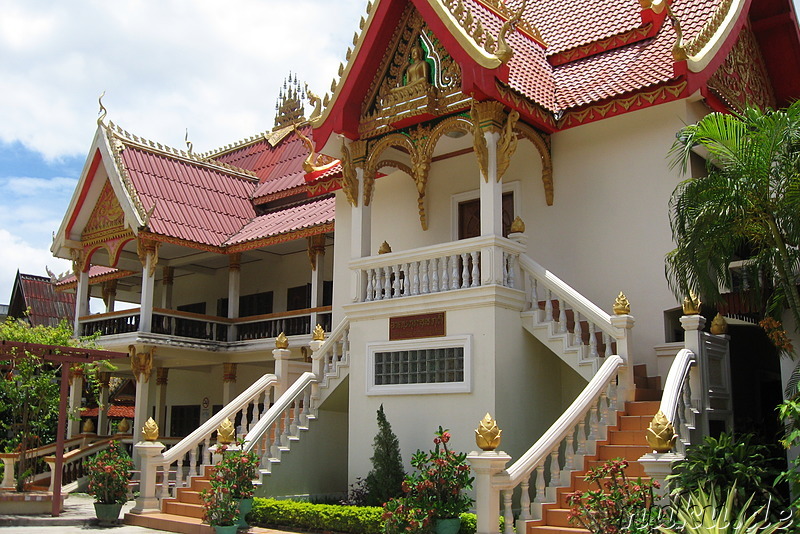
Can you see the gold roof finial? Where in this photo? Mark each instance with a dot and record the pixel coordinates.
(384, 248)
(103, 111)
(661, 434)
(719, 325)
(123, 426)
(487, 435)
(691, 304)
(621, 305)
(188, 143)
(319, 333)
(282, 342)
(226, 432)
(150, 430)
(88, 426)
(503, 50)
(518, 225)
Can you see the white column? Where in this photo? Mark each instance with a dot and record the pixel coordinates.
(81, 300)
(167, 275)
(75, 397)
(282, 370)
(360, 236)
(317, 250)
(102, 412)
(491, 215)
(234, 270)
(110, 295)
(486, 466)
(141, 374)
(148, 285)
(228, 382)
(162, 378)
(150, 455)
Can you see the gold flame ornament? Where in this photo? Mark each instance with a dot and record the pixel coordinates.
(150, 430)
(719, 325)
(621, 305)
(124, 426)
(691, 304)
(517, 226)
(319, 333)
(384, 248)
(661, 434)
(487, 435)
(226, 433)
(88, 426)
(282, 342)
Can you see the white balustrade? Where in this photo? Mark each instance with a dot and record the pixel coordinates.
(435, 269)
(561, 448)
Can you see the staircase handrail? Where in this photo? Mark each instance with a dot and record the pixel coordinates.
(563, 290)
(676, 380)
(281, 404)
(210, 426)
(572, 416)
(335, 335)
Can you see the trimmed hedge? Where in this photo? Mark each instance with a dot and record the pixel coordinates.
(272, 513)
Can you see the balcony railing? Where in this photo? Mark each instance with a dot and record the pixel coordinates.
(210, 327)
(438, 268)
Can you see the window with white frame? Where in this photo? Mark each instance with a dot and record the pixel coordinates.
(415, 366)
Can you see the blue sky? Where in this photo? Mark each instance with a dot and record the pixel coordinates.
(167, 66)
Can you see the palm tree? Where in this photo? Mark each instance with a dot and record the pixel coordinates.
(749, 200)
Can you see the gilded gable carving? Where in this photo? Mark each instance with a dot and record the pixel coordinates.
(742, 78)
(107, 218)
(416, 78)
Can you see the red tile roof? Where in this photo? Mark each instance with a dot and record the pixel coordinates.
(113, 411)
(194, 201)
(97, 274)
(287, 220)
(38, 294)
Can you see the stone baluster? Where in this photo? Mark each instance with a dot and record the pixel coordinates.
(577, 332)
(425, 288)
(548, 306)
(434, 263)
(454, 283)
(540, 484)
(525, 500)
(476, 269)
(592, 340)
(508, 513)
(396, 281)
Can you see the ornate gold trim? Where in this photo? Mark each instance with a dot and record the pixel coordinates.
(141, 363)
(542, 144)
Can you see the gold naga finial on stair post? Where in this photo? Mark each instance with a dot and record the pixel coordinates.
(621, 305)
(692, 304)
(719, 325)
(487, 435)
(661, 434)
(282, 342)
(318, 334)
(150, 430)
(226, 432)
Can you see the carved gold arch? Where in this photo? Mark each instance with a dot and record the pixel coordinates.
(372, 163)
(542, 144)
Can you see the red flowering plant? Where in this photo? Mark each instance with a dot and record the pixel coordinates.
(618, 504)
(219, 507)
(109, 472)
(239, 468)
(434, 491)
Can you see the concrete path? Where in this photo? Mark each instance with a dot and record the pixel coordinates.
(78, 516)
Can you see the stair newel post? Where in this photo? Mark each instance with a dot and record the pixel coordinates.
(318, 368)
(624, 329)
(488, 466)
(281, 353)
(150, 456)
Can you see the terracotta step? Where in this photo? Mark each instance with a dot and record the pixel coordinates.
(628, 452)
(634, 469)
(637, 423)
(647, 394)
(555, 530)
(171, 506)
(627, 437)
(189, 496)
(185, 525)
(642, 408)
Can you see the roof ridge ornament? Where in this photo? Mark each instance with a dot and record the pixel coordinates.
(188, 143)
(102, 112)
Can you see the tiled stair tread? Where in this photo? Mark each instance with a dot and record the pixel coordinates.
(626, 440)
(184, 525)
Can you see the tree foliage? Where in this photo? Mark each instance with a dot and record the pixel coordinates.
(29, 387)
(385, 479)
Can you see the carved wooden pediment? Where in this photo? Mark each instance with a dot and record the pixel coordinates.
(742, 78)
(417, 80)
(107, 219)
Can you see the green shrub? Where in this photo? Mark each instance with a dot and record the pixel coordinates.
(272, 513)
(719, 464)
(386, 478)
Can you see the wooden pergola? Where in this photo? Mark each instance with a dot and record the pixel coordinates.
(63, 355)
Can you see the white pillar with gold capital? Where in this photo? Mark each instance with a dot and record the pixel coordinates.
(491, 192)
(316, 255)
(360, 236)
(486, 466)
(150, 457)
(75, 398)
(142, 366)
(102, 413)
(282, 356)
(81, 300)
(148, 287)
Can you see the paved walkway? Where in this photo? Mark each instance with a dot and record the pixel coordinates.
(78, 516)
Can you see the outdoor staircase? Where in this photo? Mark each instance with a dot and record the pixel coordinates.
(625, 440)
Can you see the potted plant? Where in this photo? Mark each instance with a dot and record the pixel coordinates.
(238, 468)
(434, 494)
(219, 509)
(108, 473)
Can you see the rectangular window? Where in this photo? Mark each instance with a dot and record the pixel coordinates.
(184, 420)
(255, 304)
(414, 366)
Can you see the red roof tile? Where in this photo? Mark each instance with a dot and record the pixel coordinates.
(287, 220)
(38, 295)
(194, 201)
(113, 411)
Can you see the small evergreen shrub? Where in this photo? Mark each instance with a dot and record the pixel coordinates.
(385, 480)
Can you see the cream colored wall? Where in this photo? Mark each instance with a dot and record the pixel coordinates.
(608, 229)
(275, 273)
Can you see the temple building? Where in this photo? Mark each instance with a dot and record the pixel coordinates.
(497, 176)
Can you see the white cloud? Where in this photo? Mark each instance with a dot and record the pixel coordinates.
(18, 254)
(165, 66)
